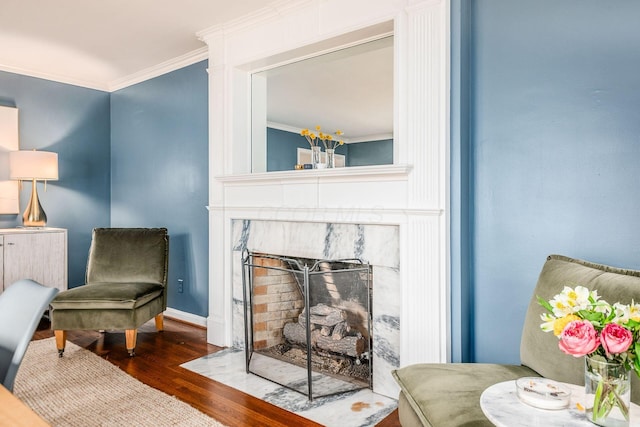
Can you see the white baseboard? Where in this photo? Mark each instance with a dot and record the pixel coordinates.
(185, 317)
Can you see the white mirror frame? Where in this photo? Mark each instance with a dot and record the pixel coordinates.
(411, 193)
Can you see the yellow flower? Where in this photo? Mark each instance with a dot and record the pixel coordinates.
(634, 312)
(561, 323)
(329, 141)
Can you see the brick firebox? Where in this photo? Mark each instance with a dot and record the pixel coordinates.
(276, 301)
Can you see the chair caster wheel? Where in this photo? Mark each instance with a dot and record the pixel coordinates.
(131, 353)
(60, 353)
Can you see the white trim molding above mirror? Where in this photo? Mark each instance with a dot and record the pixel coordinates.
(411, 193)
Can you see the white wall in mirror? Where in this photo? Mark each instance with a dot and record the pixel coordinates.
(9, 141)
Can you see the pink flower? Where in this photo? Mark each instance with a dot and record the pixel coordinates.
(615, 339)
(579, 338)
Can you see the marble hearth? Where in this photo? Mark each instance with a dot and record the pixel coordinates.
(375, 244)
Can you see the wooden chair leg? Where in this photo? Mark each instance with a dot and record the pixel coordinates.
(130, 337)
(61, 341)
(159, 322)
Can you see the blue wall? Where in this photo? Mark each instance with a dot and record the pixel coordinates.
(159, 170)
(370, 153)
(553, 132)
(461, 203)
(136, 157)
(75, 123)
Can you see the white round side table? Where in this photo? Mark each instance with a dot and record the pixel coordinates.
(502, 407)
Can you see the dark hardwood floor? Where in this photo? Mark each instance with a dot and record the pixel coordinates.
(157, 363)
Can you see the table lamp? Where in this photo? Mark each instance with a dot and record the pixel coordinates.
(33, 165)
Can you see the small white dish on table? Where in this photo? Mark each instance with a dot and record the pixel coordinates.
(543, 393)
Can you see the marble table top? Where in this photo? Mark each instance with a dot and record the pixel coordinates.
(501, 406)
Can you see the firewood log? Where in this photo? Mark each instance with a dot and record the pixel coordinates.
(333, 316)
(352, 346)
(340, 331)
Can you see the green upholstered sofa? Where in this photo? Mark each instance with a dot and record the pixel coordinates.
(449, 394)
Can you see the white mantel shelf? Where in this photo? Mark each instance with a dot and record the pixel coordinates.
(400, 172)
(362, 193)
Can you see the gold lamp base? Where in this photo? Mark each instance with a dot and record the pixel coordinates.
(34, 215)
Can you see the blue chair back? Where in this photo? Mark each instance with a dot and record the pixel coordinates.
(21, 307)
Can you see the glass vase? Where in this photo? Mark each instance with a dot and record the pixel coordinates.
(331, 158)
(607, 391)
(315, 156)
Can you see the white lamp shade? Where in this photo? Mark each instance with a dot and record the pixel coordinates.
(32, 164)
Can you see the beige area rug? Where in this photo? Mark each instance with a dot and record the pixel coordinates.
(82, 389)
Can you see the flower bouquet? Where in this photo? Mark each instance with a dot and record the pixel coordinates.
(311, 137)
(608, 336)
(329, 142)
(314, 142)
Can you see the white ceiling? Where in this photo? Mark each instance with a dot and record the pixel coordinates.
(110, 44)
(97, 43)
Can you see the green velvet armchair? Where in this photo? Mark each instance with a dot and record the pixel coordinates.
(125, 285)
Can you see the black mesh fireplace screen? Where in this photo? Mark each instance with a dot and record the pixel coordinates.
(308, 322)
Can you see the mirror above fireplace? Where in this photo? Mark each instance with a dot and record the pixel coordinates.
(350, 89)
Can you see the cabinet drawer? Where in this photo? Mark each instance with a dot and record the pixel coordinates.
(37, 256)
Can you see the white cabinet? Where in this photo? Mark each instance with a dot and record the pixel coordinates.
(39, 254)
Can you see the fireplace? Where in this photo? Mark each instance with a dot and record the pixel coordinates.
(307, 242)
(402, 211)
(315, 316)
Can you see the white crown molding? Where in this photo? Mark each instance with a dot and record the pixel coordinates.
(89, 84)
(160, 69)
(282, 126)
(114, 85)
(371, 138)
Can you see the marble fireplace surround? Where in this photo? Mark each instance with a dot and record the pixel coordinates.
(316, 240)
(409, 197)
